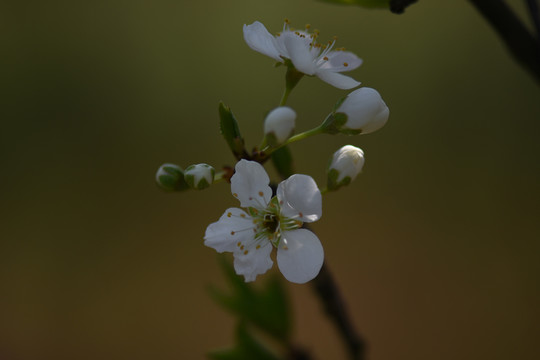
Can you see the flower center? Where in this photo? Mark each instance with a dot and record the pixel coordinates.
(270, 223)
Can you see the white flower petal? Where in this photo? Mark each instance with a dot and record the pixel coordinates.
(300, 198)
(336, 79)
(250, 260)
(300, 256)
(299, 52)
(233, 227)
(249, 184)
(260, 40)
(337, 60)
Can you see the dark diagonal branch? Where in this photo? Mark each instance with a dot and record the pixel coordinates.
(532, 5)
(522, 44)
(327, 290)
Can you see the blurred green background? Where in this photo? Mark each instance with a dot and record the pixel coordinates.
(435, 246)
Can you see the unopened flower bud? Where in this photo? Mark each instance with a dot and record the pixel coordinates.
(363, 111)
(170, 177)
(347, 162)
(279, 125)
(199, 176)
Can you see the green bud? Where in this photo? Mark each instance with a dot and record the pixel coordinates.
(199, 176)
(170, 177)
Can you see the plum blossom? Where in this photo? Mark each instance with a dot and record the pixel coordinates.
(306, 54)
(267, 222)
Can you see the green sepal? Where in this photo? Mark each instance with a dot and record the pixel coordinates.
(267, 308)
(332, 183)
(203, 183)
(282, 160)
(173, 180)
(338, 104)
(334, 122)
(293, 76)
(230, 131)
(271, 140)
(247, 348)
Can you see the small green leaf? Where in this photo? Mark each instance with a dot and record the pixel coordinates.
(230, 131)
(247, 348)
(266, 308)
(282, 160)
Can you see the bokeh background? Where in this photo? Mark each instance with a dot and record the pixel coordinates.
(435, 246)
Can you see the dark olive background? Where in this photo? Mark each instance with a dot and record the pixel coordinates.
(435, 245)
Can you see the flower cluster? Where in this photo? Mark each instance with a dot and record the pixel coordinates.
(266, 220)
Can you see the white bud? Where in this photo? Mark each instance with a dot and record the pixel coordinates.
(346, 164)
(199, 176)
(365, 110)
(170, 177)
(279, 124)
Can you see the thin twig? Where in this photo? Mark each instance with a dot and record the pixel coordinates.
(328, 292)
(521, 43)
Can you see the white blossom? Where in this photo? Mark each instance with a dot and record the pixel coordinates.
(280, 123)
(306, 54)
(365, 110)
(267, 222)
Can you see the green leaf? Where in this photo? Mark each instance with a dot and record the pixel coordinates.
(247, 348)
(282, 160)
(230, 131)
(363, 3)
(267, 308)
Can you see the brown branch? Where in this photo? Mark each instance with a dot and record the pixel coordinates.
(326, 287)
